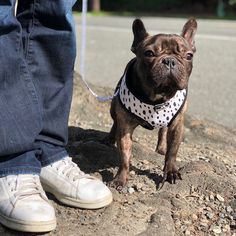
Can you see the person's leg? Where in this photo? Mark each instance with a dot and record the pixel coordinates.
(20, 121)
(23, 203)
(49, 47)
(49, 42)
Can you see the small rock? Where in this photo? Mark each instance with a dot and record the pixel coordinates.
(203, 224)
(226, 228)
(204, 159)
(178, 223)
(216, 230)
(187, 232)
(208, 208)
(177, 195)
(220, 198)
(192, 190)
(206, 198)
(221, 215)
(131, 190)
(183, 228)
(221, 221)
(229, 217)
(194, 217)
(138, 186)
(211, 197)
(209, 215)
(132, 172)
(200, 201)
(144, 188)
(229, 209)
(145, 162)
(187, 222)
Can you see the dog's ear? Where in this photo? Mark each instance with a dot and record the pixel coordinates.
(189, 31)
(139, 32)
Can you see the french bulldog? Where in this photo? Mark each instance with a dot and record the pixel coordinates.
(153, 93)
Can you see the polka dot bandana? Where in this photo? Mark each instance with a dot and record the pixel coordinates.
(157, 116)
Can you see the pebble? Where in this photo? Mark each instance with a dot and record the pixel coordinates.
(220, 198)
(194, 217)
(204, 159)
(211, 197)
(177, 195)
(200, 202)
(216, 230)
(178, 223)
(221, 215)
(226, 228)
(229, 209)
(145, 162)
(139, 186)
(204, 224)
(209, 215)
(183, 228)
(187, 232)
(131, 190)
(132, 172)
(206, 198)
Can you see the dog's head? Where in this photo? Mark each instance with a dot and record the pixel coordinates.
(164, 61)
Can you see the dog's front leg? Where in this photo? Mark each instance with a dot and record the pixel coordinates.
(174, 139)
(124, 145)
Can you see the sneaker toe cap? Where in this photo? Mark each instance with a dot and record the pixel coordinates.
(34, 211)
(93, 190)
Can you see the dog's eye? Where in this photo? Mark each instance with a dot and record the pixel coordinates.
(149, 53)
(189, 56)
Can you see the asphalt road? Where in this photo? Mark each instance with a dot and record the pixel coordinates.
(212, 89)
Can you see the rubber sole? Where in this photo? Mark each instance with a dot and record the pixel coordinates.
(79, 203)
(28, 226)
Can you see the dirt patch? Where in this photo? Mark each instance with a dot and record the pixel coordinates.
(203, 203)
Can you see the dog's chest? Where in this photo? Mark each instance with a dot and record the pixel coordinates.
(156, 116)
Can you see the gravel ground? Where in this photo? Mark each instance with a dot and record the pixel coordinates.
(203, 203)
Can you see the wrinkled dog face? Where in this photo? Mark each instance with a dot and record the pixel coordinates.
(164, 60)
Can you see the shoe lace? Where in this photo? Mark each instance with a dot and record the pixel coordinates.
(68, 168)
(25, 185)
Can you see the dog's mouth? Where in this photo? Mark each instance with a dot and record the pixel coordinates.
(173, 78)
(179, 80)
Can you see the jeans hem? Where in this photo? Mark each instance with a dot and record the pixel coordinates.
(19, 170)
(54, 158)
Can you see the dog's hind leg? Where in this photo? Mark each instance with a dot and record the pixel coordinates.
(162, 141)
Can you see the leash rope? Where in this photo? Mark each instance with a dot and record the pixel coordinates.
(82, 54)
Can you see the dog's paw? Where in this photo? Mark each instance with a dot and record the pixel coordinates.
(161, 150)
(118, 183)
(171, 174)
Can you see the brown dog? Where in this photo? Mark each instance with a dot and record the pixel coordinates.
(152, 93)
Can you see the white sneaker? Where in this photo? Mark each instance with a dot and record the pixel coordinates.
(24, 205)
(73, 187)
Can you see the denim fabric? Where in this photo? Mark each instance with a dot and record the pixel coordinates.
(37, 54)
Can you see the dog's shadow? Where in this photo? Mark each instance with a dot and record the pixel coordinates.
(92, 154)
(89, 151)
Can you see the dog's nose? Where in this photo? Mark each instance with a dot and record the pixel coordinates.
(169, 62)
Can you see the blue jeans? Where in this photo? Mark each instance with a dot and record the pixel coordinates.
(37, 54)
